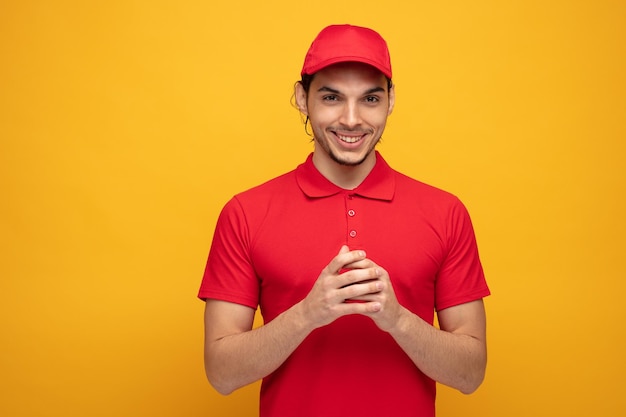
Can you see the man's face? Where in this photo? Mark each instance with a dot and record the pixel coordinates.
(347, 105)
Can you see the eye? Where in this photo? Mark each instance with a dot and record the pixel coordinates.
(330, 97)
(372, 99)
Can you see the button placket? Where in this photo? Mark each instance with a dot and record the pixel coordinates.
(352, 220)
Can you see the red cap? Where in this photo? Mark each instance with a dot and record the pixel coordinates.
(347, 43)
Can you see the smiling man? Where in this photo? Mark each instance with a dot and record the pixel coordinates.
(348, 261)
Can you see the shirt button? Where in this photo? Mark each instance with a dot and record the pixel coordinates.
(352, 233)
(351, 213)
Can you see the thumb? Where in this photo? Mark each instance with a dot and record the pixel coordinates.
(344, 249)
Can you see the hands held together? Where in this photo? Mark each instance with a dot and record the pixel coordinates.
(352, 284)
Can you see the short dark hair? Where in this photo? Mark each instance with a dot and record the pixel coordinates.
(307, 79)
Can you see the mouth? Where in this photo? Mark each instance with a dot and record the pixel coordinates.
(352, 138)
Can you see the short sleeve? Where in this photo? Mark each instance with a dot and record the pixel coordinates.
(229, 275)
(461, 278)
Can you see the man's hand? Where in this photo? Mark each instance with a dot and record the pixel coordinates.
(349, 276)
(386, 310)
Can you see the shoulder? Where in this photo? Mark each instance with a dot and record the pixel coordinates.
(281, 185)
(247, 208)
(409, 187)
(254, 204)
(442, 208)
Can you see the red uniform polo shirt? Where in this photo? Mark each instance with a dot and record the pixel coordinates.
(272, 242)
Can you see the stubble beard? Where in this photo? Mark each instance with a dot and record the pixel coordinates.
(343, 162)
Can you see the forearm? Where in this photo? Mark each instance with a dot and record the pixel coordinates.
(454, 359)
(237, 355)
(236, 360)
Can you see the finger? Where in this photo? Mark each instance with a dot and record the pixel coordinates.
(361, 290)
(345, 257)
(360, 264)
(359, 307)
(353, 276)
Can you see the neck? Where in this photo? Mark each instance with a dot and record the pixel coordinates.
(347, 177)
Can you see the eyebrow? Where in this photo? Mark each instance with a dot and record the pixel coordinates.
(370, 91)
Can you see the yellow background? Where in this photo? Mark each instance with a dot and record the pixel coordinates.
(126, 125)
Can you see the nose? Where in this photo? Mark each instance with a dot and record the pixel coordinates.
(350, 115)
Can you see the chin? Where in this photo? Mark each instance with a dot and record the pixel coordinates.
(348, 162)
(350, 159)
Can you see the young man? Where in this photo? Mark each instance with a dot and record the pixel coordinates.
(348, 261)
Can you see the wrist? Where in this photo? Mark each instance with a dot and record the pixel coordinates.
(404, 323)
(300, 319)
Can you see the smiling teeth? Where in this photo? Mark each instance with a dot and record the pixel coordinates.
(349, 139)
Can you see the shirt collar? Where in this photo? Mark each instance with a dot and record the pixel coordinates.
(380, 184)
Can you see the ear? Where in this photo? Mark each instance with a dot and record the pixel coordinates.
(301, 96)
(392, 99)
